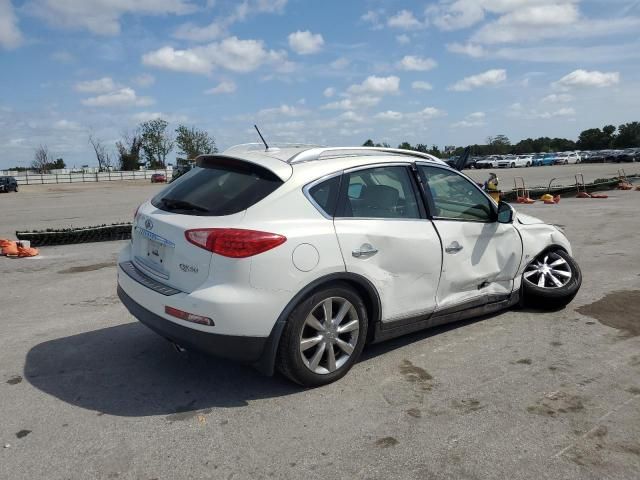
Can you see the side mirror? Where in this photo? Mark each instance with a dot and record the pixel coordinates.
(506, 213)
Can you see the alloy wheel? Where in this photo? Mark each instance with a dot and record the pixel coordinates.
(329, 335)
(548, 271)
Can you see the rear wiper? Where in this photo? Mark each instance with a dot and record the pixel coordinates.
(182, 205)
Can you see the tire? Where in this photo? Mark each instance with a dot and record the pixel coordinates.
(300, 365)
(513, 165)
(546, 294)
(528, 164)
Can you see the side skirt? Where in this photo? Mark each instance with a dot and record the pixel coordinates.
(386, 331)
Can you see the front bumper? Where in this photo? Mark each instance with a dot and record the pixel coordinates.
(239, 348)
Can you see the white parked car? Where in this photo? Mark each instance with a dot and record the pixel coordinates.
(513, 161)
(294, 258)
(488, 162)
(566, 158)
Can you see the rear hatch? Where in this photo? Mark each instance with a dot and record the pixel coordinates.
(215, 194)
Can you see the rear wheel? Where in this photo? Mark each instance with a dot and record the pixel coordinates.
(551, 281)
(324, 337)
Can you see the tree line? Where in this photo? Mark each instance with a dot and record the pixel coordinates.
(151, 142)
(608, 137)
(148, 145)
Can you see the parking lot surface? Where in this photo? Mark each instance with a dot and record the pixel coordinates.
(88, 392)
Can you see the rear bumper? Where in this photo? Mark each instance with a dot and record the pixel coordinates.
(239, 348)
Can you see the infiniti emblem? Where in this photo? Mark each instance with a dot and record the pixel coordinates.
(148, 224)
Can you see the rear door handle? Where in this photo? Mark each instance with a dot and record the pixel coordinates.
(454, 247)
(365, 251)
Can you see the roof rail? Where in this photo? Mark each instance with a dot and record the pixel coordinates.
(317, 153)
(259, 147)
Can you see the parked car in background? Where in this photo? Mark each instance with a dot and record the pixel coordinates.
(628, 155)
(566, 158)
(544, 160)
(8, 184)
(514, 161)
(488, 162)
(293, 258)
(158, 178)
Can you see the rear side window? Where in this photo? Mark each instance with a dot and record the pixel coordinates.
(218, 186)
(325, 195)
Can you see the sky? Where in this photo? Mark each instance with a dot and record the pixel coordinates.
(331, 72)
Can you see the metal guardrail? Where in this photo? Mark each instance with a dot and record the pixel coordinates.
(81, 177)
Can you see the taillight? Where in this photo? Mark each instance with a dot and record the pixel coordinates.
(234, 242)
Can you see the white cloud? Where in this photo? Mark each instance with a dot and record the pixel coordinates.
(557, 98)
(543, 22)
(219, 27)
(305, 43)
(421, 85)
(169, 117)
(222, 87)
(231, 54)
(417, 64)
(124, 97)
(470, 49)
(168, 58)
(10, 34)
(562, 112)
(405, 20)
(101, 85)
(66, 125)
(102, 17)
(490, 77)
(376, 85)
(389, 115)
(329, 92)
(283, 110)
(429, 113)
(360, 101)
(351, 117)
(144, 80)
(62, 56)
(584, 78)
(475, 119)
(403, 39)
(340, 63)
(456, 15)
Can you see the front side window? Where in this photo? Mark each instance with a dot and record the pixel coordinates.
(455, 197)
(382, 192)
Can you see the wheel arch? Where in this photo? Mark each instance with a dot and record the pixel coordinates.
(366, 290)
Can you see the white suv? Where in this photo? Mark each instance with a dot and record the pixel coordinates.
(295, 257)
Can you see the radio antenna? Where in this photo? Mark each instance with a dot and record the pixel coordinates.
(261, 137)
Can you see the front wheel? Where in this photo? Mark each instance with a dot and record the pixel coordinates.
(551, 281)
(324, 337)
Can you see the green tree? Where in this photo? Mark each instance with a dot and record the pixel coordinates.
(368, 143)
(193, 142)
(129, 151)
(628, 135)
(405, 146)
(156, 143)
(596, 139)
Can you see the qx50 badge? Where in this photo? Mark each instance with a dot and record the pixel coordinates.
(188, 268)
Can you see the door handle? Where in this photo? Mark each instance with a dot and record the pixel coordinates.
(366, 250)
(454, 247)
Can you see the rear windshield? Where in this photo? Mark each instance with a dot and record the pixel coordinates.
(217, 186)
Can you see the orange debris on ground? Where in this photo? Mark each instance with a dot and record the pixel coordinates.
(9, 248)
